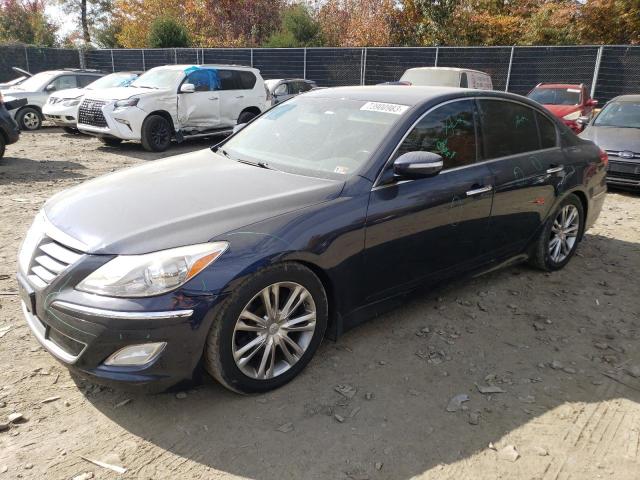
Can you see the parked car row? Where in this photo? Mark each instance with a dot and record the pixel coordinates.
(176, 102)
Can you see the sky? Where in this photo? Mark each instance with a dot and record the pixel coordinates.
(55, 14)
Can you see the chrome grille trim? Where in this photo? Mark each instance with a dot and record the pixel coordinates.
(48, 261)
(90, 113)
(616, 153)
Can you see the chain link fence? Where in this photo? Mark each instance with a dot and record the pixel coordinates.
(607, 71)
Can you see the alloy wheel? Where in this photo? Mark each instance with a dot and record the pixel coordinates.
(30, 120)
(274, 330)
(564, 233)
(160, 134)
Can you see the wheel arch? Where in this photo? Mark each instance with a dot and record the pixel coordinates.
(34, 107)
(584, 200)
(252, 109)
(164, 114)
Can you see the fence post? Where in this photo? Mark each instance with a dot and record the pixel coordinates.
(113, 65)
(81, 60)
(363, 66)
(596, 71)
(26, 57)
(175, 56)
(144, 63)
(506, 87)
(252, 58)
(435, 63)
(304, 64)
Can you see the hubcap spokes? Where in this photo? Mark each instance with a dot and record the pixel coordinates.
(30, 120)
(564, 233)
(274, 330)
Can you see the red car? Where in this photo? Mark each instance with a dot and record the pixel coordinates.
(566, 101)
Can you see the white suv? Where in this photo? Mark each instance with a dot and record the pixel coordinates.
(174, 101)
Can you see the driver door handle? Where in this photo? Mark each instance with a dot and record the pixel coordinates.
(213, 98)
(478, 191)
(240, 96)
(557, 169)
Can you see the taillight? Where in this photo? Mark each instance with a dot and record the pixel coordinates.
(604, 158)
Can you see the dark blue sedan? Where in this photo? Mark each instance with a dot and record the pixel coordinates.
(312, 218)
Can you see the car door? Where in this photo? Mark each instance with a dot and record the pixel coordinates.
(525, 158)
(199, 109)
(430, 227)
(233, 96)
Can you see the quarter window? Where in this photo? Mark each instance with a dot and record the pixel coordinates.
(508, 128)
(548, 137)
(236, 80)
(448, 131)
(65, 81)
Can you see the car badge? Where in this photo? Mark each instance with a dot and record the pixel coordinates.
(625, 154)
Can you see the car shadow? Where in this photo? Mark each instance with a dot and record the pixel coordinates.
(14, 169)
(136, 150)
(532, 334)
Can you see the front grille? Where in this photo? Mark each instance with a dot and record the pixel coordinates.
(624, 154)
(90, 113)
(625, 175)
(48, 261)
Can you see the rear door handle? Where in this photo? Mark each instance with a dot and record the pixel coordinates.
(213, 98)
(555, 169)
(478, 191)
(241, 96)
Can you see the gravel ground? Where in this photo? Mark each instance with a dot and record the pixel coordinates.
(560, 351)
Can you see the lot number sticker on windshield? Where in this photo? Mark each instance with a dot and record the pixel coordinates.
(385, 107)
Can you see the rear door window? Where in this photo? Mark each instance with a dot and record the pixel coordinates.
(508, 128)
(84, 80)
(65, 81)
(449, 131)
(548, 135)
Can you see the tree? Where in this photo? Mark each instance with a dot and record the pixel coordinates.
(299, 29)
(610, 22)
(167, 32)
(25, 22)
(94, 16)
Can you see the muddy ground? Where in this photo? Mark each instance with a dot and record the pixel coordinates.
(562, 347)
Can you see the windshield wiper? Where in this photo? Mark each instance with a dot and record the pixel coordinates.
(223, 152)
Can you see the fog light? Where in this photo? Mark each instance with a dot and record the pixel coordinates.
(136, 355)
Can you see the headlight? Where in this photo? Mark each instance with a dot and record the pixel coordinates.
(72, 102)
(152, 273)
(129, 102)
(572, 116)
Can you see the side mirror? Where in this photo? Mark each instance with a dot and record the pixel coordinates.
(417, 165)
(238, 127)
(50, 88)
(592, 103)
(187, 88)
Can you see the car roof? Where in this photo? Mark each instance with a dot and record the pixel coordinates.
(559, 85)
(406, 95)
(451, 69)
(627, 98)
(208, 65)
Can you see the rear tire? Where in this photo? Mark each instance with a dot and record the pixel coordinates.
(71, 130)
(299, 312)
(156, 134)
(559, 238)
(111, 142)
(246, 117)
(29, 119)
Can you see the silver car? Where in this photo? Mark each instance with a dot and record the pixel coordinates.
(36, 91)
(281, 89)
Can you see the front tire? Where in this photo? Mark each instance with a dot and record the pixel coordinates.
(3, 145)
(156, 134)
(246, 117)
(268, 329)
(29, 119)
(560, 236)
(71, 130)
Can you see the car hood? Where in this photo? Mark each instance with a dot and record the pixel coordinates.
(614, 138)
(11, 92)
(120, 93)
(183, 200)
(562, 110)
(69, 93)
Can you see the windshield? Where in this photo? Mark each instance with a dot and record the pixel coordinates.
(37, 82)
(160, 78)
(619, 114)
(325, 137)
(432, 78)
(556, 96)
(113, 80)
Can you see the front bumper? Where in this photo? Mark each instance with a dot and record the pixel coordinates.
(83, 336)
(61, 115)
(623, 174)
(124, 123)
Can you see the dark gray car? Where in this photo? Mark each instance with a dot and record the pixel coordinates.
(616, 130)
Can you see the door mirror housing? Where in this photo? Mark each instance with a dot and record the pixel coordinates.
(187, 88)
(417, 165)
(50, 88)
(592, 103)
